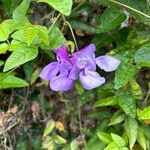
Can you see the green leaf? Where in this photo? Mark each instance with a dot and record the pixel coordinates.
(59, 140)
(30, 33)
(10, 5)
(94, 143)
(112, 146)
(105, 91)
(110, 19)
(27, 35)
(15, 44)
(74, 145)
(100, 114)
(124, 148)
(42, 32)
(145, 114)
(141, 138)
(54, 34)
(146, 130)
(104, 137)
(35, 75)
(28, 69)
(136, 89)
(125, 137)
(138, 37)
(86, 97)
(131, 128)
(125, 53)
(79, 88)
(4, 31)
(75, 24)
(20, 36)
(64, 6)
(101, 40)
(127, 102)
(105, 2)
(118, 140)
(118, 117)
(1, 62)
(49, 127)
(142, 56)
(48, 143)
(20, 12)
(3, 48)
(6, 27)
(11, 81)
(21, 145)
(120, 37)
(109, 101)
(20, 56)
(140, 5)
(124, 74)
(36, 143)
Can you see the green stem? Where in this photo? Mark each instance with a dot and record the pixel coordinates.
(80, 123)
(54, 22)
(133, 9)
(78, 5)
(73, 36)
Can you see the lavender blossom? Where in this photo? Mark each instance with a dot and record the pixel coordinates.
(82, 65)
(57, 72)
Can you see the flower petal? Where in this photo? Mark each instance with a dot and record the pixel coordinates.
(74, 73)
(86, 62)
(64, 68)
(90, 79)
(81, 64)
(61, 83)
(107, 63)
(50, 71)
(87, 51)
(91, 65)
(62, 54)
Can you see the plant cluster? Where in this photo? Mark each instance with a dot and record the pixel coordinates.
(109, 109)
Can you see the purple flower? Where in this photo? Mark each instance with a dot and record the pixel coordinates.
(82, 65)
(57, 72)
